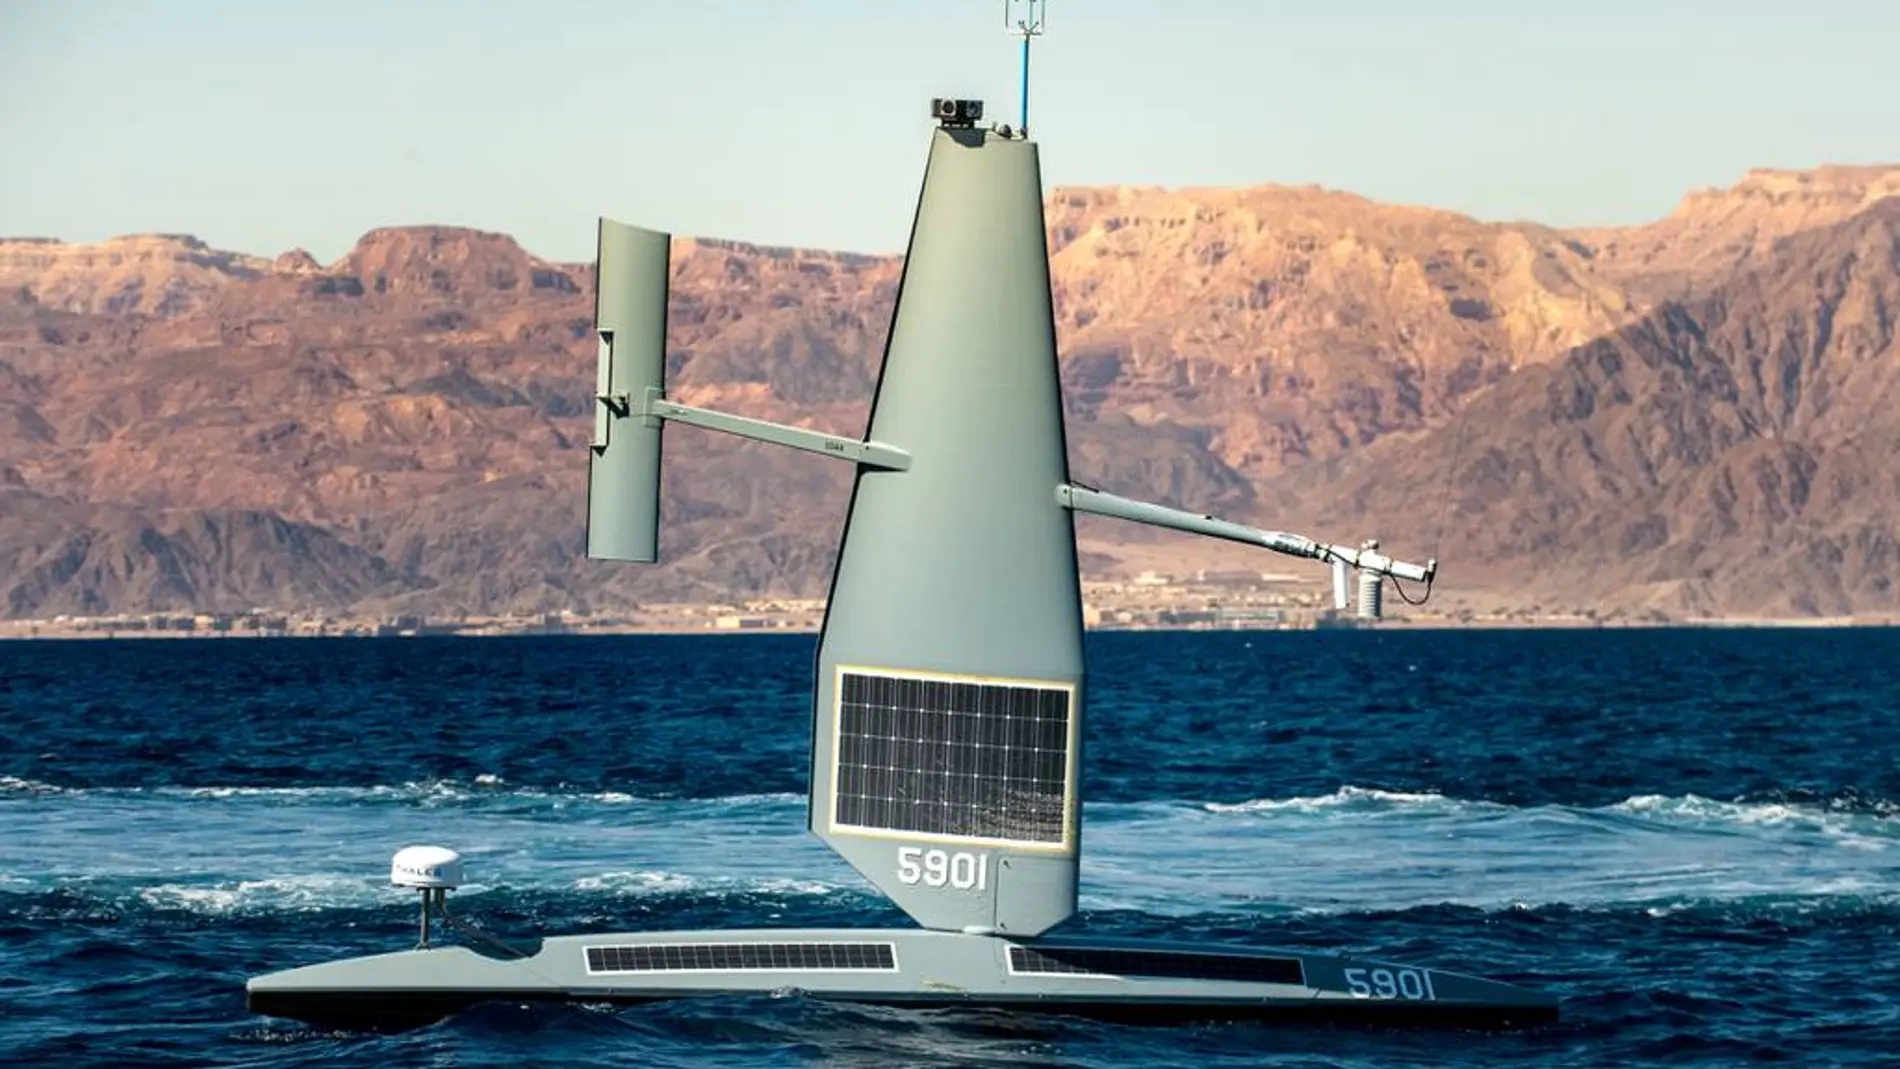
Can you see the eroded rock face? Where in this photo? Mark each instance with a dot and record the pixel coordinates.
(406, 426)
(163, 275)
(1300, 323)
(1714, 232)
(296, 262)
(440, 260)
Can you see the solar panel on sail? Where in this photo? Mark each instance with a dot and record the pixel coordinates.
(953, 757)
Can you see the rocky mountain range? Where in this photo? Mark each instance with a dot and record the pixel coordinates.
(1694, 416)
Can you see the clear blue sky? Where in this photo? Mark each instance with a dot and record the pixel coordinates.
(261, 125)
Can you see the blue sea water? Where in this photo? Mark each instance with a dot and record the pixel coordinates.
(1691, 836)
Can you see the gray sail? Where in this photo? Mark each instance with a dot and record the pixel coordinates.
(948, 708)
(623, 482)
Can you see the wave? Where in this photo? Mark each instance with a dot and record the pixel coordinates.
(1694, 807)
(289, 894)
(1854, 821)
(484, 787)
(1681, 809)
(1364, 798)
(1772, 808)
(1354, 849)
(643, 883)
(98, 897)
(600, 901)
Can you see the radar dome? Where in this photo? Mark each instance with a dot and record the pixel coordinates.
(427, 867)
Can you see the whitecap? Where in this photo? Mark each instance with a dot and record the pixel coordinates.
(1345, 796)
(298, 894)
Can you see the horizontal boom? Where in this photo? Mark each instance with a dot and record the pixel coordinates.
(1083, 499)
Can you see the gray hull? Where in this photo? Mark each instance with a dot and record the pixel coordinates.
(1123, 980)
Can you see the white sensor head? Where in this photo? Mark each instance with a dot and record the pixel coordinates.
(426, 867)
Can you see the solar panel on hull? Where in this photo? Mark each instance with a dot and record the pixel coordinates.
(953, 757)
(743, 957)
(1152, 964)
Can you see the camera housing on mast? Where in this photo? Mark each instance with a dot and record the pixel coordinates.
(956, 112)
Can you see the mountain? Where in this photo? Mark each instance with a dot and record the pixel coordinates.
(1300, 323)
(157, 274)
(1738, 449)
(1715, 232)
(403, 429)
(90, 559)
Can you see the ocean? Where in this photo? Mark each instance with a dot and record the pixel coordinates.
(1692, 836)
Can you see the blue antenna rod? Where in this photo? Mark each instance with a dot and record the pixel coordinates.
(1025, 17)
(1025, 122)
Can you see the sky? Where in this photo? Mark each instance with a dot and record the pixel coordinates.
(263, 126)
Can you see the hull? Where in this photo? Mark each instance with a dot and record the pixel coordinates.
(1133, 981)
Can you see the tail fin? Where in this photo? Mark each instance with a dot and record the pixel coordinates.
(623, 483)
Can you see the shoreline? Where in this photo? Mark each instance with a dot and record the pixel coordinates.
(21, 631)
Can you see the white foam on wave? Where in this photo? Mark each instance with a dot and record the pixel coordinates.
(777, 798)
(436, 789)
(486, 788)
(1690, 809)
(1347, 796)
(1866, 832)
(645, 882)
(639, 883)
(1696, 807)
(293, 894)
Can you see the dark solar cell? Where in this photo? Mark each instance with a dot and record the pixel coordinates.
(691, 957)
(984, 760)
(1087, 961)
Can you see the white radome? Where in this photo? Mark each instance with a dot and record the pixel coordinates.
(426, 867)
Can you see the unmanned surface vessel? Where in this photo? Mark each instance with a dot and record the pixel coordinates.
(947, 720)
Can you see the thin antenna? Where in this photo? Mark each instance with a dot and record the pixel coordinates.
(1026, 19)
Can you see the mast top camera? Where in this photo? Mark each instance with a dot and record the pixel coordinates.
(954, 112)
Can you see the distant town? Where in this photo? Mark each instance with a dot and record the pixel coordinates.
(1200, 600)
